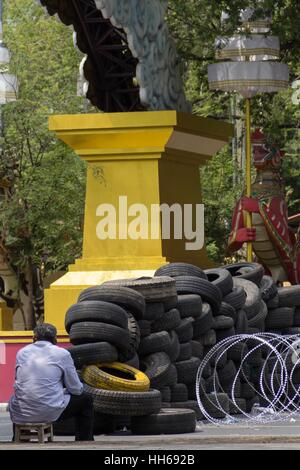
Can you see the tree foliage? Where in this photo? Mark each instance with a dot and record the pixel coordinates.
(41, 221)
(195, 24)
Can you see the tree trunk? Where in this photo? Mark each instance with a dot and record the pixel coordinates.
(29, 312)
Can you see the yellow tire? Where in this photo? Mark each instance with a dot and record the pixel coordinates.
(116, 376)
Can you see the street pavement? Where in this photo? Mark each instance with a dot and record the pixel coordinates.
(283, 435)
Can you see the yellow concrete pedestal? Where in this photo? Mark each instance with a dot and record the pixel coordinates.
(149, 158)
(6, 317)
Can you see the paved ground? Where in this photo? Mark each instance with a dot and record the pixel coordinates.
(282, 435)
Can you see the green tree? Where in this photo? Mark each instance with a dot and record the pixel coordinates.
(41, 222)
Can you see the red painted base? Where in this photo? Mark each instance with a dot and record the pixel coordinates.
(8, 352)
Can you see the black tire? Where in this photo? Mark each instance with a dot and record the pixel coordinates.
(209, 338)
(207, 371)
(250, 271)
(253, 298)
(165, 394)
(259, 320)
(185, 330)
(167, 421)
(158, 369)
(223, 323)
(294, 330)
(255, 356)
(254, 331)
(239, 407)
(228, 311)
(124, 403)
(212, 384)
(227, 373)
(248, 391)
(204, 323)
(220, 278)
(212, 403)
(125, 298)
(237, 352)
(189, 305)
(185, 352)
(92, 332)
(94, 353)
(208, 292)
(218, 359)
(282, 317)
(273, 303)
(180, 269)
(251, 402)
(187, 370)
(245, 372)
(171, 302)
(157, 289)
(179, 393)
(134, 339)
(134, 362)
(228, 388)
(289, 296)
(268, 288)
(145, 327)
(169, 321)
(95, 311)
(222, 334)
(174, 349)
(297, 317)
(197, 348)
(173, 376)
(241, 326)
(192, 395)
(236, 298)
(189, 405)
(156, 342)
(154, 311)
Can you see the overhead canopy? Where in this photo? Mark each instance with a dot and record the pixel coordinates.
(248, 78)
(243, 48)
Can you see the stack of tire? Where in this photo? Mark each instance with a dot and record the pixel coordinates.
(284, 311)
(160, 347)
(110, 323)
(216, 304)
(163, 327)
(284, 319)
(103, 329)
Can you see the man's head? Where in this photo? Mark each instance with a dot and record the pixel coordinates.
(45, 332)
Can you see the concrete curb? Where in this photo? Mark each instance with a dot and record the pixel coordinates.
(3, 407)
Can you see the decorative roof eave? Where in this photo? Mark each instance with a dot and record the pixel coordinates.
(144, 38)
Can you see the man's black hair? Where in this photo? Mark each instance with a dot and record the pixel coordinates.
(45, 332)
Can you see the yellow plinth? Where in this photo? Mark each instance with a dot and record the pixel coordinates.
(6, 317)
(149, 158)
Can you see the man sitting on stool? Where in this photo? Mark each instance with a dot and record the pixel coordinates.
(47, 386)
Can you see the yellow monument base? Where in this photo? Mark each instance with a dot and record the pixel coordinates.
(148, 158)
(6, 317)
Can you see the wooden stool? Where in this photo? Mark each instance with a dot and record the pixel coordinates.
(34, 432)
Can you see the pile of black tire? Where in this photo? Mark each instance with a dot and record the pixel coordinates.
(216, 304)
(165, 326)
(236, 299)
(113, 322)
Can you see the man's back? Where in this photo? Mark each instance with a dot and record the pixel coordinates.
(42, 371)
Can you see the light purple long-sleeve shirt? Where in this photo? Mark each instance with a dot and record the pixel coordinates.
(45, 378)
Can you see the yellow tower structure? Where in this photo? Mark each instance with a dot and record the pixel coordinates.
(148, 158)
